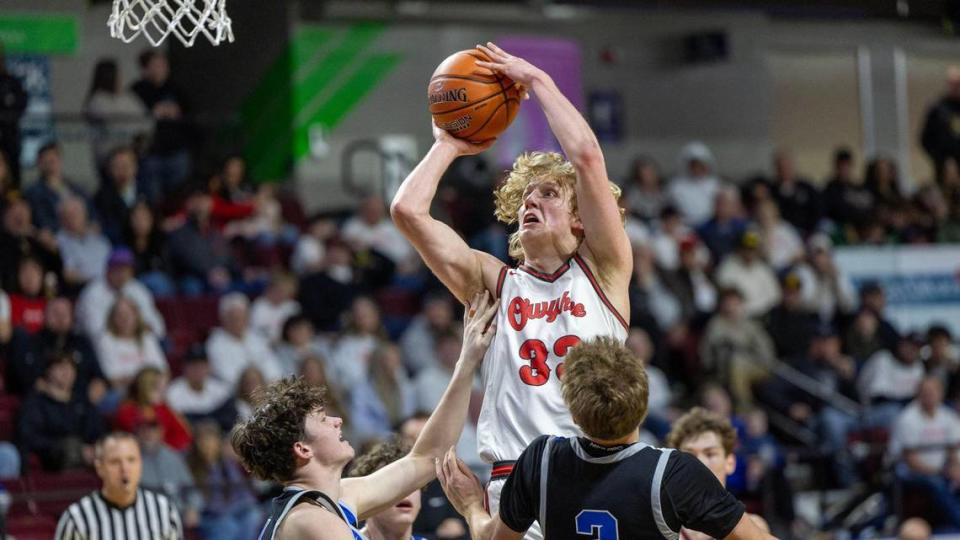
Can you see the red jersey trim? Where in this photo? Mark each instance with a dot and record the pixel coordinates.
(550, 278)
(599, 291)
(501, 279)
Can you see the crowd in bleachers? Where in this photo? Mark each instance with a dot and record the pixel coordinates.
(161, 302)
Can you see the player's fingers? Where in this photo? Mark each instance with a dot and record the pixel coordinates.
(493, 55)
(492, 66)
(440, 475)
(493, 47)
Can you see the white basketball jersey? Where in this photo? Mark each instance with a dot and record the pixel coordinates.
(540, 318)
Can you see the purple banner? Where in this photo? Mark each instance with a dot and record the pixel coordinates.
(560, 58)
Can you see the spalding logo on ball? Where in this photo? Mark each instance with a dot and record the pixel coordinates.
(471, 102)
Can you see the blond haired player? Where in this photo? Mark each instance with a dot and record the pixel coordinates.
(571, 284)
(606, 485)
(712, 439)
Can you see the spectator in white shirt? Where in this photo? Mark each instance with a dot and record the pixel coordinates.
(363, 333)
(100, 294)
(418, 342)
(198, 395)
(925, 441)
(274, 307)
(669, 232)
(83, 249)
(746, 271)
(371, 228)
(310, 251)
(232, 347)
(432, 381)
(889, 381)
(695, 186)
(782, 244)
(127, 345)
(826, 289)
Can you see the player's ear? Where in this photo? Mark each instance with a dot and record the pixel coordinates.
(302, 451)
(731, 464)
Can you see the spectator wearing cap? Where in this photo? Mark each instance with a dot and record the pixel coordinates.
(722, 232)
(799, 201)
(782, 245)
(689, 283)
(277, 304)
(84, 250)
(118, 194)
(165, 470)
(232, 347)
(99, 295)
(736, 348)
(198, 395)
(874, 299)
(847, 202)
(145, 403)
(790, 324)
(826, 289)
(28, 354)
(696, 184)
(56, 423)
(889, 380)
(925, 440)
(746, 270)
(51, 189)
(667, 234)
(418, 342)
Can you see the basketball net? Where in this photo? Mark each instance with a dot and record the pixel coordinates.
(157, 19)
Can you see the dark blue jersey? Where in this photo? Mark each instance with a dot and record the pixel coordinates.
(291, 497)
(579, 490)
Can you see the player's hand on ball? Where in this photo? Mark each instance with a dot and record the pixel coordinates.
(462, 487)
(478, 328)
(522, 72)
(464, 148)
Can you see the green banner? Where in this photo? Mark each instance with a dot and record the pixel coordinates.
(38, 34)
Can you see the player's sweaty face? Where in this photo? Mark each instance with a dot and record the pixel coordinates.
(708, 448)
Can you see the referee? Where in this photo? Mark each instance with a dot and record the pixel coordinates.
(121, 510)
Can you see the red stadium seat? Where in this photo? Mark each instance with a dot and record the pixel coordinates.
(9, 405)
(31, 527)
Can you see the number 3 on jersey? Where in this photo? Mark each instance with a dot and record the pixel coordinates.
(536, 352)
(597, 524)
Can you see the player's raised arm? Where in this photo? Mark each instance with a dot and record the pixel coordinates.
(463, 270)
(371, 494)
(598, 210)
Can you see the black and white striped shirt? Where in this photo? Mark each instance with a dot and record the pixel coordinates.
(152, 516)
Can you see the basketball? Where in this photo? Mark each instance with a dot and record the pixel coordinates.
(471, 102)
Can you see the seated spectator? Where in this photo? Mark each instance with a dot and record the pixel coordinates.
(862, 339)
(431, 382)
(313, 371)
(250, 380)
(199, 396)
(145, 404)
(232, 347)
(395, 522)
(782, 245)
(99, 295)
(827, 291)
(722, 232)
(118, 193)
(28, 354)
(661, 396)
(276, 305)
(230, 193)
(51, 189)
(924, 442)
(880, 179)
(418, 341)
(847, 203)
(696, 185)
(116, 115)
(372, 229)
(28, 301)
(149, 246)
(790, 324)
(310, 250)
(649, 295)
(668, 233)
(121, 499)
(799, 201)
(690, 283)
(127, 346)
(20, 240)
(199, 254)
(736, 348)
(56, 423)
(643, 194)
(382, 398)
(363, 332)
(874, 299)
(889, 380)
(231, 511)
(165, 471)
(746, 270)
(327, 293)
(942, 359)
(299, 341)
(84, 250)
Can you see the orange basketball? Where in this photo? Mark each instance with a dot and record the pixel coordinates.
(471, 102)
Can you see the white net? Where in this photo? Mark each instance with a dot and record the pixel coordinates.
(157, 19)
